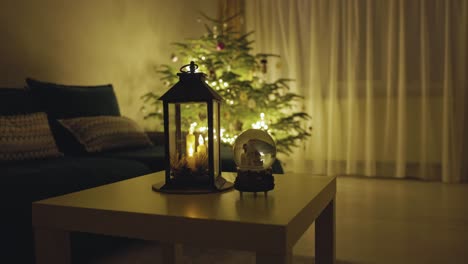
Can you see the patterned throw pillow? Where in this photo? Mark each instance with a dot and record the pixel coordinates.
(100, 133)
(25, 137)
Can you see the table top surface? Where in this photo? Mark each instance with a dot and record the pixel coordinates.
(292, 193)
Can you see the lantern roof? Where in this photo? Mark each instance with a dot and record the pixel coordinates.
(190, 88)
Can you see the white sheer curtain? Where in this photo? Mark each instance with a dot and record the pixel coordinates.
(384, 81)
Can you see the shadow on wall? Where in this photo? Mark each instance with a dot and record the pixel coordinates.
(16, 60)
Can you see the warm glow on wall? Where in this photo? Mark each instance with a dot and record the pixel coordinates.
(95, 42)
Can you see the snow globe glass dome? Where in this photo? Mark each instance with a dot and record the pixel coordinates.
(254, 150)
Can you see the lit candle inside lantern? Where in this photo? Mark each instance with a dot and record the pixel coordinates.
(201, 145)
(190, 151)
(190, 141)
(190, 158)
(190, 147)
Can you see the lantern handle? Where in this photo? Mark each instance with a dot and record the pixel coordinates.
(192, 67)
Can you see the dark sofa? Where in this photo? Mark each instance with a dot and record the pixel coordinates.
(30, 180)
(25, 181)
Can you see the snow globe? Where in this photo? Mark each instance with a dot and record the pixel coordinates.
(254, 153)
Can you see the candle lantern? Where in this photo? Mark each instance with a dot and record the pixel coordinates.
(192, 136)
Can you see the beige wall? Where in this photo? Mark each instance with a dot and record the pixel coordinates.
(90, 42)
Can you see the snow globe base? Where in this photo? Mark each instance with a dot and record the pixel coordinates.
(254, 180)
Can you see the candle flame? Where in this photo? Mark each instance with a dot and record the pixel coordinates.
(200, 140)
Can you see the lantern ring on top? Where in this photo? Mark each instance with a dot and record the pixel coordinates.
(192, 67)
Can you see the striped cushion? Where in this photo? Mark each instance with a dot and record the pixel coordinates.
(25, 137)
(99, 133)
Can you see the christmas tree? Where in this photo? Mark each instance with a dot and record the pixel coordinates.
(250, 101)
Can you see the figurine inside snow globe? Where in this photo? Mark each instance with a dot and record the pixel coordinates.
(254, 153)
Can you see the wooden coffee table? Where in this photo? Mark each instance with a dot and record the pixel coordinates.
(269, 225)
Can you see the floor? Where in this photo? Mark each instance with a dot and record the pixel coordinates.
(378, 221)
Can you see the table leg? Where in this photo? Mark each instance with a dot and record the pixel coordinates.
(52, 246)
(262, 258)
(171, 253)
(325, 235)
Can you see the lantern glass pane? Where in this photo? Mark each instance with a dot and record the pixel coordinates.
(216, 138)
(172, 114)
(190, 164)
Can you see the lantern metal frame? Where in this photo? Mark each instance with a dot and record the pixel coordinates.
(192, 88)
